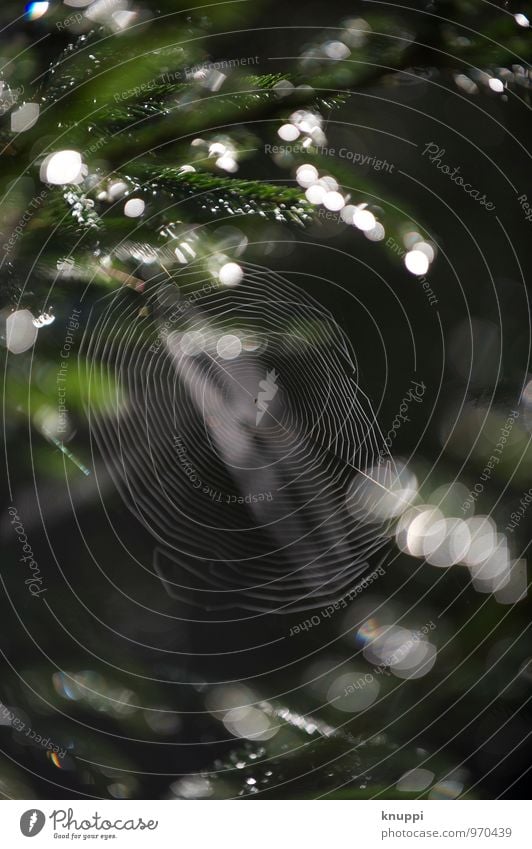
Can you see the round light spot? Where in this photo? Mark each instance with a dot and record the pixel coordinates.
(417, 262)
(376, 234)
(526, 397)
(227, 163)
(217, 149)
(249, 723)
(348, 212)
(494, 571)
(364, 220)
(415, 780)
(447, 789)
(230, 274)
(449, 497)
(354, 691)
(36, 10)
(307, 122)
(251, 343)
(24, 117)
(418, 660)
(410, 528)
(496, 85)
(192, 787)
(423, 524)
(227, 696)
(306, 175)
(228, 347)
(21, 332)
(336, 50)
(117, 190)
(382, 493)
(316, 194)
(44, 319)
(425, 248)
(62, 168)
(483, 540)
(333, 201)
(123, 17)
(134, 208)
(447, 543)
(329, 183)
(411, 238)
(387, 645)
(192, 342)
(288, 132)
(283, 88)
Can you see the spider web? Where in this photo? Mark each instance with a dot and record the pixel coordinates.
(244, 444)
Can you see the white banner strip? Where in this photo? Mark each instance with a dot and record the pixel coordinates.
(267, 824)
